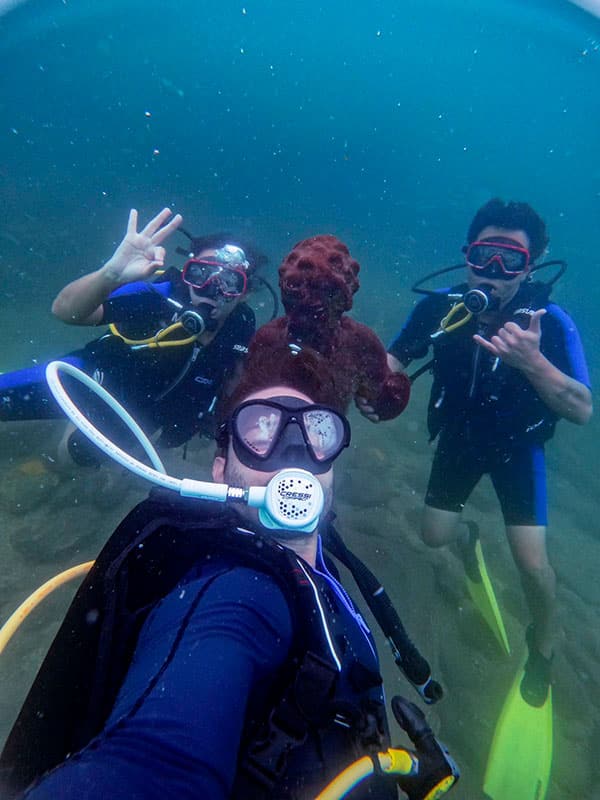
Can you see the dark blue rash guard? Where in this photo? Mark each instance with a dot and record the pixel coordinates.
(205, 661)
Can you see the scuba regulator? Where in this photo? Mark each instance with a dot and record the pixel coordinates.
(194, 323)
(478, 299)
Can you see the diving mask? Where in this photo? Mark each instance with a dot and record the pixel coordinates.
(269, 435)
(497, 257)
(225, 272)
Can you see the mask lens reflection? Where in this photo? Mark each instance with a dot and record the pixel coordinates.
(325, 432)
(257, 427)
(200, 274)
(197, 274)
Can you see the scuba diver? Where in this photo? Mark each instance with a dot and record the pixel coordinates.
(211, 652)
(177, 337)
(507, 365)
(318, 279)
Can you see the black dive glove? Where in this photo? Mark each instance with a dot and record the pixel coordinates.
(436, 770)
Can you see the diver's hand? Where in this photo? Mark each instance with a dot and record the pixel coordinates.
(516, 347)
(140, 254)
(136, 259)
(565, 396)
(436, 771)
(366, 409)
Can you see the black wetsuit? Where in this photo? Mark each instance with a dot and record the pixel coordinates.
(174, 710)
(173, 388)
(488, 416)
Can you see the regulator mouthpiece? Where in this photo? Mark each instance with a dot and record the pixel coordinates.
(479, 300)
(293, 500)
(193, 322)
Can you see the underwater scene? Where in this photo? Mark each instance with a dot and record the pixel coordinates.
(387, 125)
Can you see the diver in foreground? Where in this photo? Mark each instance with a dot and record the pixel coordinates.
(507, 365)
(211, 653)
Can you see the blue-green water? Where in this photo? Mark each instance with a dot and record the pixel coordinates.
(385, 123)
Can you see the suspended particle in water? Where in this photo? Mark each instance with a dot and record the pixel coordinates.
(147, 113)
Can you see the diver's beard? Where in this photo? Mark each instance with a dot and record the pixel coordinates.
(234, 477)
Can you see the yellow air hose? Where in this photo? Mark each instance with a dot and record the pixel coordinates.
(393, 761)
(158, 339)
(445, 323)
(14, 621)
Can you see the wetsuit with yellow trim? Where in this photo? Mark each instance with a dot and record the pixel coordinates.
(168, 388)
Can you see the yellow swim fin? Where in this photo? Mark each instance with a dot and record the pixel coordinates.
(520, 758)
(481, 589)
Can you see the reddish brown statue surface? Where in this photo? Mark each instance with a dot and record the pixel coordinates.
(318, 279)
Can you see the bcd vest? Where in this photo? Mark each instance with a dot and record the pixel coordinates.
(147, 556)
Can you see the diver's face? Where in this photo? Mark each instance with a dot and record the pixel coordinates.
(230, 470)
(221, 306)
(502, 290)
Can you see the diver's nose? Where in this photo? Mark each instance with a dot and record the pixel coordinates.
(494, 266)
(293, 441)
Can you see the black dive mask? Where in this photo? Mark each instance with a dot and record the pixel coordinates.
(269, 435)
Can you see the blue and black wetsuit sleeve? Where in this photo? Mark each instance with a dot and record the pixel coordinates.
(206, 662)
(414, 339)
(137, 307)
(561, 344)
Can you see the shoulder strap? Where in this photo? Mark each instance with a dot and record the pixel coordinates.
(406, 655)
(308, 703)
